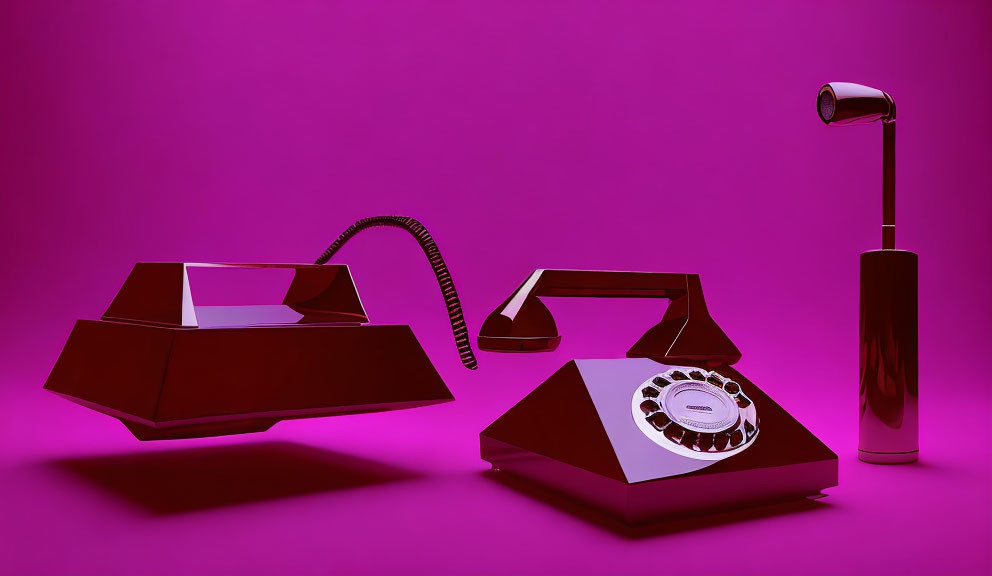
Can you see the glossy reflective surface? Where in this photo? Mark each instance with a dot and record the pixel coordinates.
(169, 369)
(161, 293)
(686, 333)
(848, 103)
(588, 431)
(889, 358)
(706, 416)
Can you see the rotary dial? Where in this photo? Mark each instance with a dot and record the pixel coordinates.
(695, 413)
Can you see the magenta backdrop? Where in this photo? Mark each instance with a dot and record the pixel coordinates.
(630, 135)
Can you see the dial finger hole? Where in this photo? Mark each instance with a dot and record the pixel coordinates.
(689, 439)
(721, 440)
(660, 382)
(659, 420)
(705, 442)
(674, 432)
(736, 437)
(649, 406)
(749, 428)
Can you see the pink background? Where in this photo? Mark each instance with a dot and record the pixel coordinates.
(630, 135)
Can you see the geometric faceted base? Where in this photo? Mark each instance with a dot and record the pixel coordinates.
(167, 382)
(142, 432)
(169, 368)
(576, 434)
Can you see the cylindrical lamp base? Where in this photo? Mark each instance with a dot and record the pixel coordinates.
(889, 413)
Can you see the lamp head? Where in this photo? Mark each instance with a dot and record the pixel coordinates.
(847, 103)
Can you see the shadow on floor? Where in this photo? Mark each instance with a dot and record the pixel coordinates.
(175, 481)
(608, 522)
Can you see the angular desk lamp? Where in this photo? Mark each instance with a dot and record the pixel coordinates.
(889, 350)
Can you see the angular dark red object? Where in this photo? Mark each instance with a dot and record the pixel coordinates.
(169, 369)
(686, 333)
(670, 431)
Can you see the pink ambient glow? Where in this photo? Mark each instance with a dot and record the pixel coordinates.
(524, 135)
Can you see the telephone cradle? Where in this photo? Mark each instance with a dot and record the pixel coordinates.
(669, 431)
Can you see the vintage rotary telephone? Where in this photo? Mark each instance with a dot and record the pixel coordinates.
(670, 430)
(169, 369)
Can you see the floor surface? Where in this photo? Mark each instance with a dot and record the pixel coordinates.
(406, 492)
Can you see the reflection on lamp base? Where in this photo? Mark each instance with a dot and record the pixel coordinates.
(888, 457)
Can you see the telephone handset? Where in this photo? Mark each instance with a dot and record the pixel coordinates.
(686, 333)
(653, 435)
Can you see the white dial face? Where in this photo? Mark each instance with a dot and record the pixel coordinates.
(700, 407)
(695, 413)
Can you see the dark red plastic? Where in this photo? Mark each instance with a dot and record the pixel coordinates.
(574, 434)
(686, 333)
(170, 369)
(888, 418)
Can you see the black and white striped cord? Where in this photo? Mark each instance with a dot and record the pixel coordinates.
(447, 285)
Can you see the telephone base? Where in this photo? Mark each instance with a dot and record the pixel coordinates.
(663, 499)
(575, 434)
(168, 382)
(145, 433)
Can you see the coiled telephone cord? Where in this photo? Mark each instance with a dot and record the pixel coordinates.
(447, 285)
